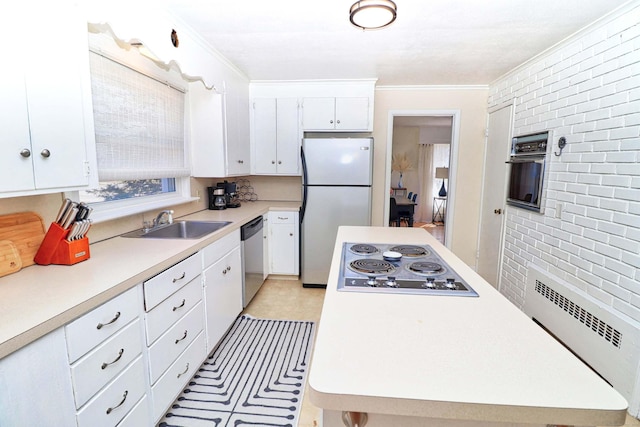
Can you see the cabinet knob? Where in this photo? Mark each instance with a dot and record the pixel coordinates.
(25, 152)
(290, 234)
(331, 121)
(240, 161)
(273, 162)
(279, 162)
(338, 121)
(497, 211)
(45, 153)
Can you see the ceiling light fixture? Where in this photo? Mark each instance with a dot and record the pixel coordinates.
(372, 14)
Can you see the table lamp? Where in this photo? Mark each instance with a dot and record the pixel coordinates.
(442, 173)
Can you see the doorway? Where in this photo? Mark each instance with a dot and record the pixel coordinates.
(421, 149)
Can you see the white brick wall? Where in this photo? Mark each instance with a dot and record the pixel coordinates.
(587, 90)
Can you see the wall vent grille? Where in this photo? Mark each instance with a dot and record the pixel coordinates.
(606, 331)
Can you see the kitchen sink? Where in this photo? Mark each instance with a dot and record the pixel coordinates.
(179, 230)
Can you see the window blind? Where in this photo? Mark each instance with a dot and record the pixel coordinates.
(139, 124)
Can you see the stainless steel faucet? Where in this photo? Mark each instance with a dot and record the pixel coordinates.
(159, 219)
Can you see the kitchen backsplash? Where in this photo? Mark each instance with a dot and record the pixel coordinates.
(47, 205)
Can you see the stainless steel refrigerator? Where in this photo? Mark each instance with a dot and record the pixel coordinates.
(336, 190)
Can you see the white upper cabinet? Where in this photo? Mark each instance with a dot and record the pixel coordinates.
(339, 114)
(46, 113)
(276, 136)
(219, 131)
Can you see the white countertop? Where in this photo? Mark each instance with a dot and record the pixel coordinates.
(447, 357)
(39, 299)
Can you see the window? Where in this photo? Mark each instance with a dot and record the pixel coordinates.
(139, 119)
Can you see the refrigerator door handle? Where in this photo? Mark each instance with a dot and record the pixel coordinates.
(303, 208)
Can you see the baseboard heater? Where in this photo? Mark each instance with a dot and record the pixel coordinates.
(604, 340)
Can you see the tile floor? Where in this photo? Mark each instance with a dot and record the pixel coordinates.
(287, 299)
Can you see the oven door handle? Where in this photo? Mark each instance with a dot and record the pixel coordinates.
(527, 160)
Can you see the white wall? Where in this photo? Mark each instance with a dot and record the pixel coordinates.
(472, 104)
(587, 90)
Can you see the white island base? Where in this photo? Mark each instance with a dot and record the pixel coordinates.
(445, 361)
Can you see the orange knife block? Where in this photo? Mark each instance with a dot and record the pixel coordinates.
(56, 250)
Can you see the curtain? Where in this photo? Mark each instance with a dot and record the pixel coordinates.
(424, 210)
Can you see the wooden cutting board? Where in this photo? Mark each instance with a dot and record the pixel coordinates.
(10, 261)
(26, 231)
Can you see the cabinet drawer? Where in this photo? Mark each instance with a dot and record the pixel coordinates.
(139, 415)
(159, 287)
(116, 400)
(182, 370)
(220, 248)
(282, 218)
(93, 371)
(172, 309)
(169, 346)
(86, 332)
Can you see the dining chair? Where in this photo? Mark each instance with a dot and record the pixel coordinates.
(394, 218)
(405, 212)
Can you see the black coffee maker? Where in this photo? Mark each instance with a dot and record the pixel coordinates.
(230, 193)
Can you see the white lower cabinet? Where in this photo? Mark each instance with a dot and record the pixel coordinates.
(35, 385)
(124, 363)
(222, 286)
(173, 342)
(284, 244)
(105, 360)
(174, 379)
(111, 404)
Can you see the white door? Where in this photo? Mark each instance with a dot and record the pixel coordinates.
(494, 193)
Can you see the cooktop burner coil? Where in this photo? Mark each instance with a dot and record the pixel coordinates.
(411, 251)
(426, 268)
(371, 267)
(364, 249)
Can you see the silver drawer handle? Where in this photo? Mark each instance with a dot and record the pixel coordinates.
(105, 364)
(124, 397)
(179, 278)
(183, 337)
(185, 371)
(116, 317)
(181, 305)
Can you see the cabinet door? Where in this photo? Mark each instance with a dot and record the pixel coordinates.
(352, 114)
(207, 132)
(289, 140)
(223, 296)
(36, 386)
(265, 135)
(237, 122)
(44, 93)
(284, 243)
(318, 114)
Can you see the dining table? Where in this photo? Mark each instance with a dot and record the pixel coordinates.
(406, 209)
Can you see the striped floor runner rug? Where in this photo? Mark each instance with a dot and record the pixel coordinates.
(255, 377)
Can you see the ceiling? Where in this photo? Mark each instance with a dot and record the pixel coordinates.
(432, 42)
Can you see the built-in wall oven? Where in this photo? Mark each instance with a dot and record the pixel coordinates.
(526, 175)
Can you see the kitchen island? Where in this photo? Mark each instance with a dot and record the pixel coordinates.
(417, 360)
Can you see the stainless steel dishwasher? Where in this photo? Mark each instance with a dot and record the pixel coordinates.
(252, 259)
